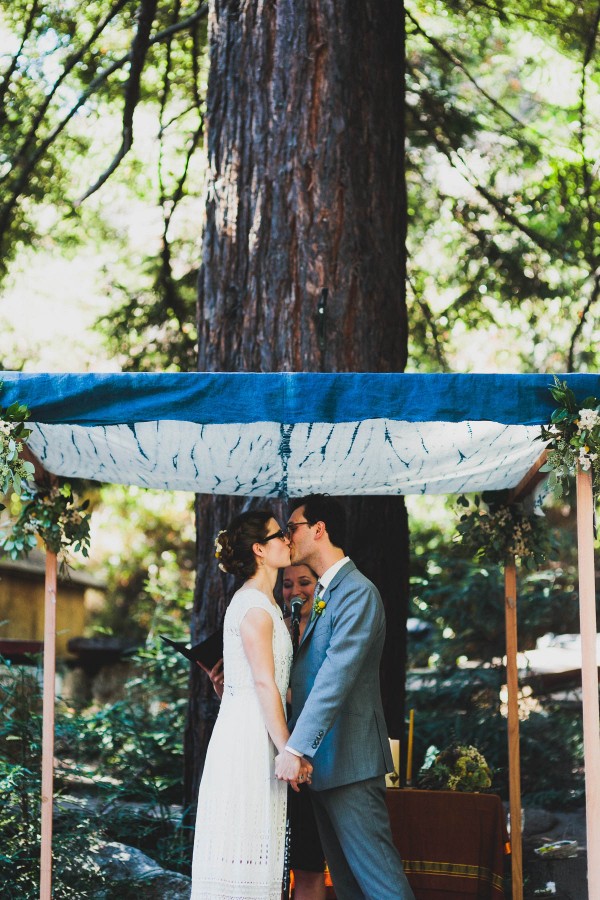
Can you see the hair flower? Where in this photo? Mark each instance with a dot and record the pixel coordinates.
(219, 546)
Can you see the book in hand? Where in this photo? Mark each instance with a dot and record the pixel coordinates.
(205, 654)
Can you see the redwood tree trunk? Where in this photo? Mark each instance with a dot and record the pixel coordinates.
(304, 251)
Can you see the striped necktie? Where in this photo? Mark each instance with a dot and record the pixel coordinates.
(316, 596)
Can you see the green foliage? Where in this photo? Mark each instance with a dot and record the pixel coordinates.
(464, 603)
(573, 438)
(13, 434)
(138, 741)
(497, 531)
(75, 872)
(130, 754)
(457, 689)
(504, 233)
(154, 321)
(72, 77)
(49, 511)
(503, 227)
(457, 768)
(464, 706)
(145, 546)
(52, 512)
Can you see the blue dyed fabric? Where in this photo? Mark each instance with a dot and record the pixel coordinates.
(289, 398)
(289, 434)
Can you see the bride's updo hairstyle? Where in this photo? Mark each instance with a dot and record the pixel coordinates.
(234, 545)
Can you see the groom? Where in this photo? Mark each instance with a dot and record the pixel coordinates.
(337, 721)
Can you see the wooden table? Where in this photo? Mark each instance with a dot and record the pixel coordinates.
(452, 844)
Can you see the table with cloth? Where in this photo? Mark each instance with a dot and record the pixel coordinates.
(452, 844)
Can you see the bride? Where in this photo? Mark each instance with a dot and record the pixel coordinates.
(240, 825)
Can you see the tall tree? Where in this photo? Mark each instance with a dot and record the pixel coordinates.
(304, 259)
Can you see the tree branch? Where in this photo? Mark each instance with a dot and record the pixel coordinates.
(459, 65)
(592, 299)
(15, 60)
(139, 50)
(450, 151)
(503, 14)
(429, 317)
(70, 64)
(94, 85)
(587, 178)
(522, 126)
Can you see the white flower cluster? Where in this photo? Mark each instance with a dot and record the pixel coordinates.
(588, 418)
(520, 544)
(586, 458)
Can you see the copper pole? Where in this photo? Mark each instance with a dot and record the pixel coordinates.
(48, 726)
(589, 675)
(514, 763)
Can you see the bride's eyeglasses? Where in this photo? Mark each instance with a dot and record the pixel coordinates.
(276, 534)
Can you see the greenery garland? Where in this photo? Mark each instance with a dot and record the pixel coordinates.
(572, 438)
(48, 510)
(495, 530)
(14, 471)
(52, 512)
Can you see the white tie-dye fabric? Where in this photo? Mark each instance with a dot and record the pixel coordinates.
(270, 459)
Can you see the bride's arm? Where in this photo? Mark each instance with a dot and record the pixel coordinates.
(256, 630)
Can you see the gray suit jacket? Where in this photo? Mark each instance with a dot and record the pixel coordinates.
(337, 715)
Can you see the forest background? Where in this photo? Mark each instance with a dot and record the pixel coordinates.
(103, 174)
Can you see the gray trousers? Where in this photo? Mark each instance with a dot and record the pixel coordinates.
(355, 832)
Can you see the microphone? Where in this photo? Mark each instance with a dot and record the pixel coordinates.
(296, 604)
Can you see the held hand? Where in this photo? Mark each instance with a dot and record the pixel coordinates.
(306, 771)
(217, 677)
(305, 776)
(292, 768)
(287, 767)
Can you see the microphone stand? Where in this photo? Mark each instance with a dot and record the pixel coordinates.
(296, 609)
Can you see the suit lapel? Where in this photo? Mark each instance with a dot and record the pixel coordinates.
(337, 578)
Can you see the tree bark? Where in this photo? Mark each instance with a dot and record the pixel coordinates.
(304, 251)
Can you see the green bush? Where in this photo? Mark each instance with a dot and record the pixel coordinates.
(127, 757)
(464, 706)
(75, 873)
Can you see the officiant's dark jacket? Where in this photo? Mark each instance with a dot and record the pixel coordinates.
(337, 714)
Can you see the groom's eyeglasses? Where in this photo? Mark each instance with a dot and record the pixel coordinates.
(276, 534)
(291, 527)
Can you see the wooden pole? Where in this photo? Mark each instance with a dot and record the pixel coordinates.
(514, 764)
(589, 676)
(48, 727)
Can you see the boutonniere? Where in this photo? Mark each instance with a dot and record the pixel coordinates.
(319, 607)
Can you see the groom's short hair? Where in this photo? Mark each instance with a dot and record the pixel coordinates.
(323, 508)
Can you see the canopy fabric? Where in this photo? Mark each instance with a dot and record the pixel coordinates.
(289, 434)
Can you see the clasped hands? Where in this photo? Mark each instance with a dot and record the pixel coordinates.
(293, 769)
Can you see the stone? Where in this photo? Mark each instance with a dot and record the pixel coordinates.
(118, 862)
(537, 821)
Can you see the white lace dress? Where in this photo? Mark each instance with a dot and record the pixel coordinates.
(240, 825)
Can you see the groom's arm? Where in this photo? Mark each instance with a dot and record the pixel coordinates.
(358, 624)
